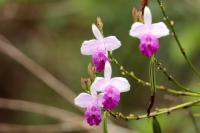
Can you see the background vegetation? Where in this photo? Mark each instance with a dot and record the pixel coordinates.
(51, 32)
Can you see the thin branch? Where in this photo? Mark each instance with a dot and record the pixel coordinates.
(171, 25)
(63, 115)
(147, 84)
(51, 128)
(42, 109)
(170, 77)
(194, 121)
(8, 49)
(155, 113)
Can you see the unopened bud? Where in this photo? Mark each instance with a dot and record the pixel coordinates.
(99, 24)
(91, 70)
(137, 15)
(85, 83)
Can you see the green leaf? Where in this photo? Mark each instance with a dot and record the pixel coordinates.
(156, 126)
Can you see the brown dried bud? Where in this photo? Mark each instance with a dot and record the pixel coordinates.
(140, 17)
(91, 70)
(85, 83)
(143, 4)
(134, 14)
(99, 24)
(137, 15)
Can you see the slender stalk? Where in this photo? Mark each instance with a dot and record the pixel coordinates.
(171, 25)
(194, 121)
(152, 79)
(105, 129)
(49, 128)
(155, 113)
(196, 115)
(147, 84)
(170, 77)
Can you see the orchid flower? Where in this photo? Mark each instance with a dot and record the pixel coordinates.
(99, 48)
(111, 87)
(148, 33)
(93, 104)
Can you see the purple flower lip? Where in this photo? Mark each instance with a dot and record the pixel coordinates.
(93, 115)
(149, 44)
(99, 59)
(111, 97)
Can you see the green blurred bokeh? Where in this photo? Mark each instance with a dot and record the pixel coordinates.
(51, 33)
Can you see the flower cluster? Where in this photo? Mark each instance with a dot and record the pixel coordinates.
(105, 91)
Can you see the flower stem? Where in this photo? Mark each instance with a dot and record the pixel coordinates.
(152, 78)
(155, 113)
(171, 25)
(170, 77)
(105, 129)
(193, 121)
(147, 84)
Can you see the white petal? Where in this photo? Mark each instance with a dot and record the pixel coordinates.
(137, 29)
(96, 32)
(159, 29)
(89, 47)
(97, 85)
(100, 100)
(111, 43)
(83, 100)
(121, 83)
(147, 16)
(107, 71)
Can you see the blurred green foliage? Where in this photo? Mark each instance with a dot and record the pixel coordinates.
(52, 31)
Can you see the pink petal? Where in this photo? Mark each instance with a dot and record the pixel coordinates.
(147, 16)
(120, 83)
(96, 32)
(111, 43)
(83, 100)
(159, 29)
(89, 47)
(107, 71)
(137, 29)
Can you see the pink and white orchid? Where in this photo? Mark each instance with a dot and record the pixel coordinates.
(99, 47)
(148, 33)
(111, 87)
(93, 104)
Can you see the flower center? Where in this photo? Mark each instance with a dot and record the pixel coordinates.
(111, 97)
(93, 115)
(99, 58)
(149, 44)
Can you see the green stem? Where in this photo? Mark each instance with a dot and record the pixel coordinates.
(194, 121)
(152, 75)
(170, 77)
(152, 79)
(105, 129)
(147, 84)
(155, 113)
(171, 25)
